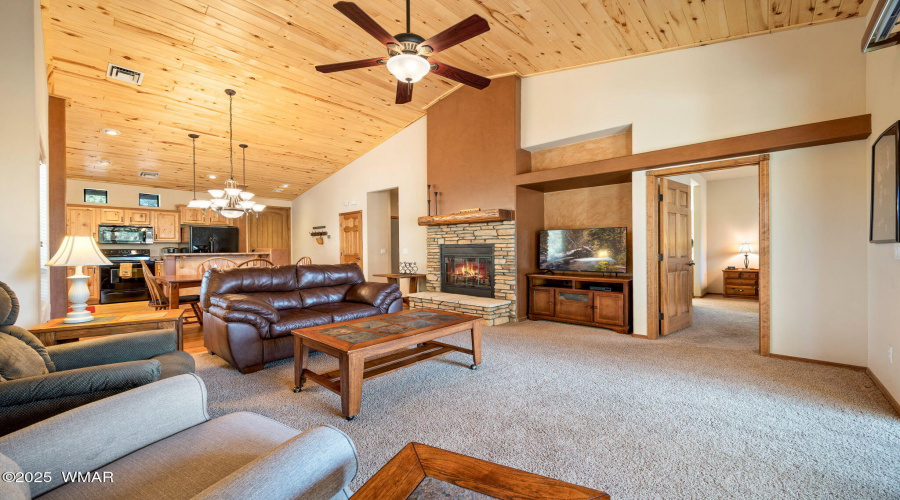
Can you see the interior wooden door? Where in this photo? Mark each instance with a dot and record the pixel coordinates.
(351, 237)
(272, 229)
(676, 271)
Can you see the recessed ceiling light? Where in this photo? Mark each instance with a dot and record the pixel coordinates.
(212, 176)
(278, 190)
(110, 131)
(285, 185)
(104, 162)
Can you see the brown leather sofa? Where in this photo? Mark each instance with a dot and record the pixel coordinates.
(249, 312)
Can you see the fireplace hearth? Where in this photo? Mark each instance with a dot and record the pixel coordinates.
(468, 270)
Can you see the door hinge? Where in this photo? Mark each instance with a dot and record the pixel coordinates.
(660, 257)
(659, 197)
(662, 316)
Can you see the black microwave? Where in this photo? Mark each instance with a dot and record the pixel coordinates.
(125, 235)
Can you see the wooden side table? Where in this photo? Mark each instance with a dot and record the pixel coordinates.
(396, 277)
(741, 283)
(427, 472)
(56, 332)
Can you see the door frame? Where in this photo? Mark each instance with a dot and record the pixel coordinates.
(652, 188)
(362, 239)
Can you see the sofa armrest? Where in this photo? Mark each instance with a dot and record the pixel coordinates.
(113, 349)
(250, 318)
(380, 295)
(29, 400)
(246, 303)
(315, 465)
(93, 435)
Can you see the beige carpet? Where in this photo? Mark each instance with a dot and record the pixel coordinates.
(695, 415)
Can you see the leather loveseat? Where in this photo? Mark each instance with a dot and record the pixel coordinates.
(248, 313)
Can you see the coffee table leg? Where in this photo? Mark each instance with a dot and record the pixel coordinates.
(301, 357)
(476, 344)
(351, 384)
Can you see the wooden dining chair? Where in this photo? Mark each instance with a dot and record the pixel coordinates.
(158, 299)
(214, 263)
(304, 261)
(257, 263)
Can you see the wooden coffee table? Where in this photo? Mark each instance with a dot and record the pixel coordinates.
(421, 471)
(374, 346)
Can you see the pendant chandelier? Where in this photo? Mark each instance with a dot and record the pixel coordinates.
(231, 202)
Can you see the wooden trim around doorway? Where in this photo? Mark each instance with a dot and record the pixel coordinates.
(652, 187)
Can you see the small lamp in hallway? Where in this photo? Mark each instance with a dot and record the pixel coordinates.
(746, 249)
(78, 251)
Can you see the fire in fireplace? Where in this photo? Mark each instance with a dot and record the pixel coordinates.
(468, 269)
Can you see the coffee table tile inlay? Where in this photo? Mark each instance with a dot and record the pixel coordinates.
(379, 345)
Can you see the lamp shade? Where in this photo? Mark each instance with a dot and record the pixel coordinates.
(408, 67)
(746, 248)
(78, 251)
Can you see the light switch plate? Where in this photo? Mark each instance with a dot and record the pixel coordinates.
(897, 251)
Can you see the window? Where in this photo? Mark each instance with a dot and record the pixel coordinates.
(148, 200)
(95, 196)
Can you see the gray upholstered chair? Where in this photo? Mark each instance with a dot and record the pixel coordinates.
(157, 441)
(37, 382)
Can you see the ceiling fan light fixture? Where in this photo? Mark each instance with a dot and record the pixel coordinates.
(408, 67)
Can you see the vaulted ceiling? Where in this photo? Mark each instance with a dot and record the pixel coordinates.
(302, 125)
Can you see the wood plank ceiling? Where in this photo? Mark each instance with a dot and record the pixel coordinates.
(302, 125)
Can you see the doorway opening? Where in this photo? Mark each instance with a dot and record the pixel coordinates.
(382, 232)
(703, 221)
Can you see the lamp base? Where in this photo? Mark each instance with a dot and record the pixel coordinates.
(79, 293)
(746, 261)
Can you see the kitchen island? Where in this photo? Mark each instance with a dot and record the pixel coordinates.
(184, 265)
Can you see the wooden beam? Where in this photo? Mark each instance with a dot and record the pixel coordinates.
(56, 138)
(602, 172)
(491, 215)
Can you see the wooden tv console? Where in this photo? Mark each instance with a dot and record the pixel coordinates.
(571, 299)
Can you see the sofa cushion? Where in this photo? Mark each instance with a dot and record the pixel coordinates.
(22, 354)
(257, 321)
(380, 295)
(313, 276)
(9, 305)
(175, 363)
(292, 319)
(246, 302)
(279, 300)
(346, 311)
(247, 280)
(186, 463)
(323, 295)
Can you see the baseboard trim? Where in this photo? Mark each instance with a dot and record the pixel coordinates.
(884, 391)
(639, 336)
(819, 362)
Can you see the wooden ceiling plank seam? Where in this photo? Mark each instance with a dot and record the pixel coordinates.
(696, 19)
(660, 22)
(639, 20)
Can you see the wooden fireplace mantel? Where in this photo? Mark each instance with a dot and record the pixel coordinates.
(491, 215)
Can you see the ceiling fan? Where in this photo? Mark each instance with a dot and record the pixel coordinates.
(408, 53)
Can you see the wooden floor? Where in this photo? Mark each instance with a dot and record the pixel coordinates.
(193, 333)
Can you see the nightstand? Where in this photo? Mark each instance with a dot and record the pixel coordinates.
(741, 283)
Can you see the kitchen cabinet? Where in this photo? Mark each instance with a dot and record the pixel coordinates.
(270, 229)
(138, 217)
(93, 282)
(81, 221)
(192, 215)
(111, 215)
(166, 227)
(217, 219)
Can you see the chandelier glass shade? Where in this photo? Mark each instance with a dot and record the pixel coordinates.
(408, 67)
(231, 202)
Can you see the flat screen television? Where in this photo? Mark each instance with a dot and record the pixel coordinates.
(600, 249)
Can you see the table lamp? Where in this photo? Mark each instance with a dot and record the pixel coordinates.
(78, 251)
(746, 249)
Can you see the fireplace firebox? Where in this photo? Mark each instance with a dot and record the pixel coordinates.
(468, 269)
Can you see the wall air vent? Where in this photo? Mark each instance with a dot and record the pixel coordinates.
(149, 175)
(124, 74)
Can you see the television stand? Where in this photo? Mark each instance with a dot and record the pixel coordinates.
(577, 299)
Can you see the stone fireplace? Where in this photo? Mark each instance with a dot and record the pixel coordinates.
(471, 269)
(468, 269)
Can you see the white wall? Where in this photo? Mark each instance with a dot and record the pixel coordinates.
(23, 98)
(378, 225)
(722, 90)
(883, 80)
(732, 218)
(399, 162)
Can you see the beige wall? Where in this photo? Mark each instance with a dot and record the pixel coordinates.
(23, 99)
(883, 80)
(732, 218)
(126, 195)
(378, 221)
(398, 163)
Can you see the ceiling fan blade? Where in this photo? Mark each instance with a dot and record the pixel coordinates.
(365, 63)
(404, 92)
(358, 16)
(461, 76)
(458, 33)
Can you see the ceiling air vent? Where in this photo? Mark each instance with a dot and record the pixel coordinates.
(149, 175)
(124, 74)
